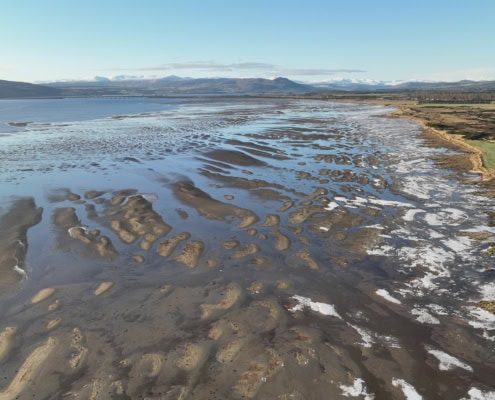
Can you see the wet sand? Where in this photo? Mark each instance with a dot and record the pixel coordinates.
(310, 256)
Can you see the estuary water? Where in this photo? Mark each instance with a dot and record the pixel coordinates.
(237, 248)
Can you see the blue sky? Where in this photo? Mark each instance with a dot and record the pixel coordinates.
(302, 40)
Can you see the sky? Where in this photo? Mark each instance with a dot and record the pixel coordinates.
(311, 40)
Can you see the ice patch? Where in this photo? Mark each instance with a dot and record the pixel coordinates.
(488, 291)
(437, 309)
(389, 203)
(428, 256)
(361, 202)
(408, 390)
(84, 228)
(435, 235)
(415, 185)
(356, 389)
(381, 251)
(331, 206)
(147, 196)
(322, 308)
(449, 216)
(376, 226)
(386, 295)
(21, 272)
(482, 320)
(409, 215)
(365, 336)
(448, 362)
(424, 316)
(459, 245)
(390, 341)
(476, 394)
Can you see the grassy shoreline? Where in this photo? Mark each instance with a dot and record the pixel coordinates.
(459, 126)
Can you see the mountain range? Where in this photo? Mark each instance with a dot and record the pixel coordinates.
(178, 86)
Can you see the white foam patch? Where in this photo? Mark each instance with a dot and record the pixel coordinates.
(448, 362)
(476, 394)
(322, 308)
(386, 295)
(424, 316)
(409, 391)
(358, 388)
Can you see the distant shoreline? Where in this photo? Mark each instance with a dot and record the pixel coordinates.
(406, 110)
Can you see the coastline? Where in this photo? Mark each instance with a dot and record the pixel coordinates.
(404, 109)
(475, 155)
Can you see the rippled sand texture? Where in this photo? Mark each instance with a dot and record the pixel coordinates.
(250, 250)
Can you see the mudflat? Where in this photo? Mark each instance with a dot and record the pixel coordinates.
(243, 249)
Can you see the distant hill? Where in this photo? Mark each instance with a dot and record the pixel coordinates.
(460, 86)
(349, 85)
(175, 86)
(16, 90)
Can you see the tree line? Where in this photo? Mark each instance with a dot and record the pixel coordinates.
(435, 96)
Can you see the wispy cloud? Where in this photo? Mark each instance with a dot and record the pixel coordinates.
(6, 68)
(316, 71)
(240, 67)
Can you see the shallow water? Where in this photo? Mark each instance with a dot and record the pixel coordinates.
(271, 249)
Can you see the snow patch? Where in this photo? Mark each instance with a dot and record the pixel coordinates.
(476, 394)
(448, 362)
(384, 250)
(448, 216)
(424, 316)
(322, 308)
(358, 388)
(459, 245)
(408, 389)
(488, 291)
(484, 320)
(367, 339)
(331, 206)
(409, 215)
(386, 295)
